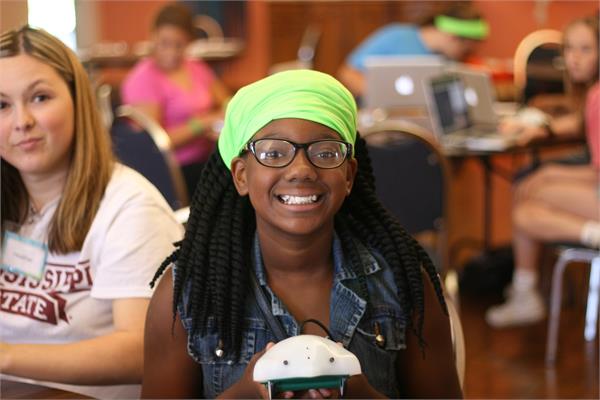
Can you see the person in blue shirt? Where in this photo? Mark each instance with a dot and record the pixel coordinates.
(287, 207)
(451, 34)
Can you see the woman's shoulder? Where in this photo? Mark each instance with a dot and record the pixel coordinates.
(132, 202)
(143, 82)
(127, 185)
(397, 29)
(145, 72)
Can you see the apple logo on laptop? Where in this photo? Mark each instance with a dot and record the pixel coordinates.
(471, 97)
(404, 85)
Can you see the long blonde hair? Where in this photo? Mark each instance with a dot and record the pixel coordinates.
(92, 159)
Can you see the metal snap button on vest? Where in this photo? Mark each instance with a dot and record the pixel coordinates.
(379, 338)
(219, 350)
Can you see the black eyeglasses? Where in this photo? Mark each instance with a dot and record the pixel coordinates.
(279, 153)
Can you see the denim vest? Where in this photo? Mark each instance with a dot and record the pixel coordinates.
(353, 321)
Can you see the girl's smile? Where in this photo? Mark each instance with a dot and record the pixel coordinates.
(290, 199)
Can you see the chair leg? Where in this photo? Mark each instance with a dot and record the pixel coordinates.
(555, 303)
(591, 314)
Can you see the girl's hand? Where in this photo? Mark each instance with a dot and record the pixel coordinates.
(357, 387)
(214, 123)
(531, 133)
(528, 125)
(524, 133)
(315, 394)
(247, 388)
(510, 126)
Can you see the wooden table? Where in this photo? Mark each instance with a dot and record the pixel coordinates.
(10, 389)
(485, 158)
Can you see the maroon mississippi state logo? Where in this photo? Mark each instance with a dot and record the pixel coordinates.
(45, 300)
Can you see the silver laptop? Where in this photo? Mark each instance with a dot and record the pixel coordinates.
(399, 81)
(479, 94)
(452, 122)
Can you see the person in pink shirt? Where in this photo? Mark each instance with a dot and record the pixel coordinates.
(183, 95)
(592, 119)
(557, 203)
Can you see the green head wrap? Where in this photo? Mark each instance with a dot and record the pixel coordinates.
(476, 29)
(304, 94)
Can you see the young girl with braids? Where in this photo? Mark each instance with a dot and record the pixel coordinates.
(290, 198)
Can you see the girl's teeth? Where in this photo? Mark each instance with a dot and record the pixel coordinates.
(287, 199)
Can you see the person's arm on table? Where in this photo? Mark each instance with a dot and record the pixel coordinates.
(115, 358)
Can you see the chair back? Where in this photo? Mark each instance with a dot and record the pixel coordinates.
(458, 341)
(538, 66)
(410, 176)
(148, 150)
(209, 26)
(308, 44)
(104, 97)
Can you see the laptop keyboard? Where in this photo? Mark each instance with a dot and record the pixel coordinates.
(478, 139)
(485, 129)
(454, 140)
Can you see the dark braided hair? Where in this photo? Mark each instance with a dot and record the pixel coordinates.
(214, 256)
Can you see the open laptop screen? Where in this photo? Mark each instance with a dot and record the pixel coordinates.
(449, 99)
(399, 81)
(479, 94)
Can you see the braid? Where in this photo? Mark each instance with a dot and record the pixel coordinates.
(214, 258)
(170, 259)
(370, 222)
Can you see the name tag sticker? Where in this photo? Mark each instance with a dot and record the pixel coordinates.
(23, 255)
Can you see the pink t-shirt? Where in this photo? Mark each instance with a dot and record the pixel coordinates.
(147, 83)
(592, 123)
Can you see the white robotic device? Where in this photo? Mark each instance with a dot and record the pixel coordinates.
(305, 362)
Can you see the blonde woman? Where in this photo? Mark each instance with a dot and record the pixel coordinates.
(81, 233)
(580, 53)
(558, 202)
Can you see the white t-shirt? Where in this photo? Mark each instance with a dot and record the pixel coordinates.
(132, 233)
